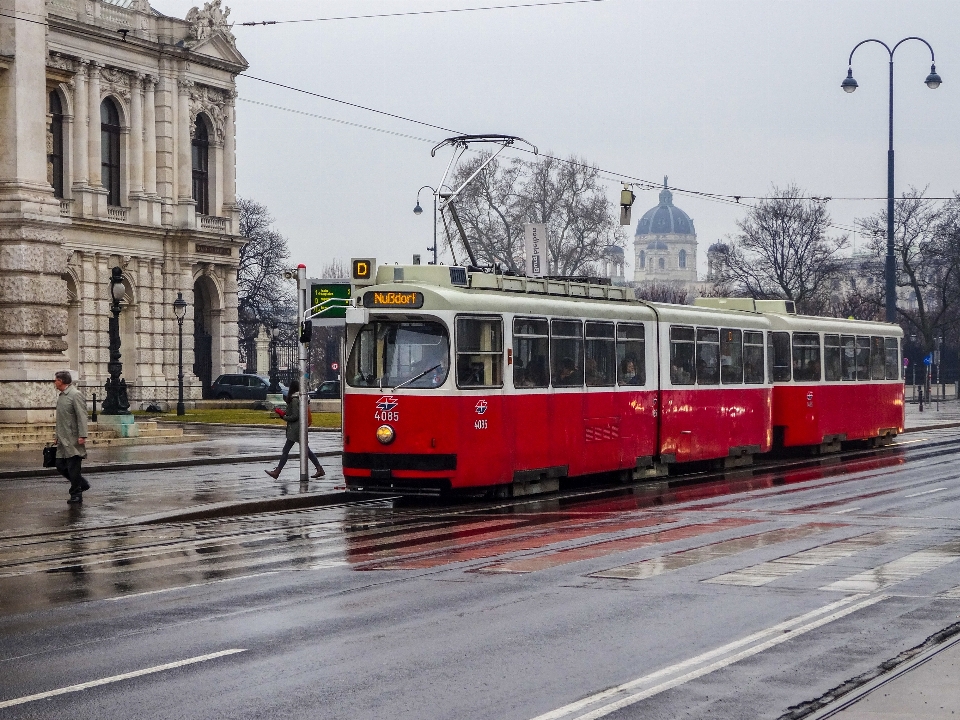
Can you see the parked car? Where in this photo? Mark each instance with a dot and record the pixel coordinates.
(327, 390)
(237, 386)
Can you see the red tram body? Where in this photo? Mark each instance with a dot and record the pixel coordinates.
(462, 381)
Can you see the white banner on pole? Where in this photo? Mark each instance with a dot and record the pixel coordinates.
(535, 242)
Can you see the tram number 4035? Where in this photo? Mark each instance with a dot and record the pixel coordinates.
(480, 424)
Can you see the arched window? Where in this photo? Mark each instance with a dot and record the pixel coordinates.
(201, 174)
(110, 150)
(661, 263)
(55, 149)
(643, 259)
(683, 258)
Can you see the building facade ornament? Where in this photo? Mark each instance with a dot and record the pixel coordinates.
(212, 102)
(212, 19)
(61, 62)
(115, 82)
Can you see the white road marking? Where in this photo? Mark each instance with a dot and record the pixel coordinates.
(905, 568)
(118, 678)
(928, 492)
(907, 442)
(848, 510)
(777, 634)
(186, 587)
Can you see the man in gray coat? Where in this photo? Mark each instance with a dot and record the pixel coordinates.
(71, 434)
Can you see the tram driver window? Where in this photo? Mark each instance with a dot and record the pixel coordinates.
(531, 351)
(832, 354)
(806, 357)
(479, 352)
(708, 356)
(753, 357)
(731, 356)
(892, 358)
(566, 352)
(683, 368)
(600, 366)
(394, 354)
(631, 365)
(778, 356)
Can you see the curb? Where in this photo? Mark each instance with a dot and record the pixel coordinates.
(925, 428)
(154, 465)
(264, 426)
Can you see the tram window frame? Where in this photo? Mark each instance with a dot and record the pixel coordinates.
(375, 346)
(779, 363)
(474, 360)
(848, 358)
(806, 358)
(560, 352)
(877, 358)
(708, 356)
(631, 347)
(892, 363)
(731, 372)
(531, 341)
(832, 358)
(753, 367)
(683, 355)
(862, 363)
(600, 347)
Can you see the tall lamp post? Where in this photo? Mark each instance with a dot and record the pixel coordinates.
(274, 388)
(849, 85)
(180, 311)
(115, 402)
(419, 211)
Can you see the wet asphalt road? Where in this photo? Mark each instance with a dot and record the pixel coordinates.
(737, 598)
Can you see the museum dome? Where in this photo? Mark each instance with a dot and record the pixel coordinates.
(666, 218)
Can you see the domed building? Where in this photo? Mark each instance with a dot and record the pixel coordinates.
(665, 246)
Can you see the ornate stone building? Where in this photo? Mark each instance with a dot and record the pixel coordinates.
(117, 148)
(665, 246)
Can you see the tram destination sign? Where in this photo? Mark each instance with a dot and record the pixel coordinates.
(393, 299)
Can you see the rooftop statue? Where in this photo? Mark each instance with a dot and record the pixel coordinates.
(209, 21)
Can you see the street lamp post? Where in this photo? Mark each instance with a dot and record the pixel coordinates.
(849, 85)
(419, 210)
(180, 312)
(115, 402)
(274, 388)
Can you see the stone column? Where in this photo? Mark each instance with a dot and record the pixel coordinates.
(81, 174)
(186, 213)
(216, 187)
(33, 297)
(136, 135)
(229, 183)
(93, 136)
(150, 137)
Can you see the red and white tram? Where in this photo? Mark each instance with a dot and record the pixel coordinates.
(485, 382)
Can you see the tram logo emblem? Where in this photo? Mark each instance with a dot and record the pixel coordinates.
(387, 403)
(481, 407)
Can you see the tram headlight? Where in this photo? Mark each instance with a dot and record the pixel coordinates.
(385, 434)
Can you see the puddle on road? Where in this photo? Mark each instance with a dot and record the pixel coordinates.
(898, 571)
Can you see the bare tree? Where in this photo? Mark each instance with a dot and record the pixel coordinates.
(564, 195)
(662, 292)
(927, 251)
(783, 251)
(263, 297)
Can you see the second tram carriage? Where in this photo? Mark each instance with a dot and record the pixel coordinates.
(472, 381)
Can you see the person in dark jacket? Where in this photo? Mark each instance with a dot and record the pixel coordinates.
(292, 418)
(71, 416)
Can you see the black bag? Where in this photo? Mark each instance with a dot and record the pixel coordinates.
(50, 456)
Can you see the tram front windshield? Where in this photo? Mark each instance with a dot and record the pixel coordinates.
(388, 354)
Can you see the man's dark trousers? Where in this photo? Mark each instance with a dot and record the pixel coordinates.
(70, 469)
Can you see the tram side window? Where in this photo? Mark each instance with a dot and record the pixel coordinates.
(753, 357)
(531, 351)
(891, 358)
(731, 356)
(848, 357)
(479, 352)
(806, 357)
(683, 364)
(566, 352)
(600, 367)
(832, 370)
(708, 356)
(778, 356)
(863, 358)
(632, 368)
(877, 358)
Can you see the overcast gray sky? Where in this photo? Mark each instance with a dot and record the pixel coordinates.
(723, 96)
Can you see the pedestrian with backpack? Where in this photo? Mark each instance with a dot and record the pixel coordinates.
(292, 417)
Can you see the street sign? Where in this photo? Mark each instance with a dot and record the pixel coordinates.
(928, 360)
(334, 366)
(333, 295)
(906, 362)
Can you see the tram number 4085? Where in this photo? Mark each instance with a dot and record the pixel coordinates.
(387, 415)
(480, 424)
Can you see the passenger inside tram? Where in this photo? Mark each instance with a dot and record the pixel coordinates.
(628, 371)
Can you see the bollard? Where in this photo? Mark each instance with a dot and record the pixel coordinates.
(94, 407)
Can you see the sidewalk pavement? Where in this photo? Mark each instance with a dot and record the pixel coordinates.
(140, 486)
(934, 414)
